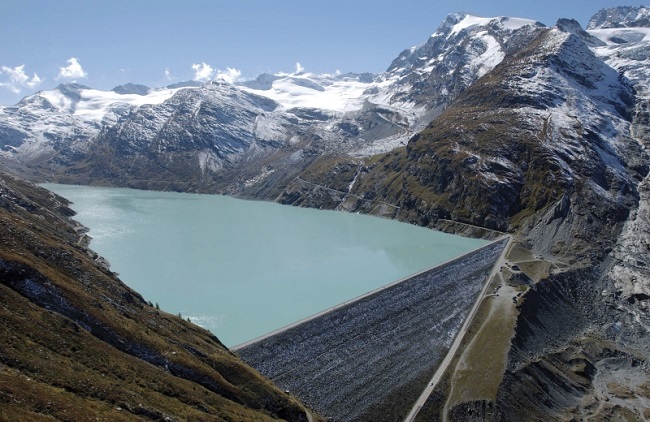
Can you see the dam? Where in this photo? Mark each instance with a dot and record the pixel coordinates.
(370, 358)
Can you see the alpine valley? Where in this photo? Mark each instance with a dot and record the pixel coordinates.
(492, 124)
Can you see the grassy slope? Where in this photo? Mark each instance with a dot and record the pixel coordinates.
(76, 343)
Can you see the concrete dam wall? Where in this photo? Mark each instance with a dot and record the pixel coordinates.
(370, 358)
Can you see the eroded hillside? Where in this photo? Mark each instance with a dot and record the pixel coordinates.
(78, 344)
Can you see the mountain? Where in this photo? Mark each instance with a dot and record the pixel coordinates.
(132, 89)
(492, 123)
(78, 344)
(621, 17)
(429, 77)
(52, 129)
(551, 145)
(314, 116)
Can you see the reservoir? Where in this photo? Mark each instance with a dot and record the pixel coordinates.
(244, 268)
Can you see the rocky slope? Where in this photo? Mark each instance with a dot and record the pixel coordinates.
(78, 344)
(551, 145)
(587, 330)
(541, 132)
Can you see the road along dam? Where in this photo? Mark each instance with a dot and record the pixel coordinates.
(371, 357)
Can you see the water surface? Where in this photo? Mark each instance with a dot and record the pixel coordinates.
(244, 268)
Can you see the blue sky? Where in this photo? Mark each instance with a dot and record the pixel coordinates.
(106, 43)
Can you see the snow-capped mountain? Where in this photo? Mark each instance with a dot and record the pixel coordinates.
(621, 17)
(360, 115)
(429, 77)
(551, 144)
(58, 125)
(499, 123)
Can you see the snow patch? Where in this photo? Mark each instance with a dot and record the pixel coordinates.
(94, 104)
(468, 22)
(58, 100)
(309, 90)
(621, 36)
(492, 56)
(208, 161)
(516, 23)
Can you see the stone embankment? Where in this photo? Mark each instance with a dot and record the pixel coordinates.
(371, 358)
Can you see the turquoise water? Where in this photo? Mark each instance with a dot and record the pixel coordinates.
(244, 268)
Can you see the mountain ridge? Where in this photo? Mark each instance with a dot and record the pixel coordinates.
(493, 122)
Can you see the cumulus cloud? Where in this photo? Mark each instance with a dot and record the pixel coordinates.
(230, 75)
(19, 79)
(168, 75)
(202, 72)
(299, 68)
(72, 71)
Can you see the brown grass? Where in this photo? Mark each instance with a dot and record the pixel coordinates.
(481, 366)
(79, 344)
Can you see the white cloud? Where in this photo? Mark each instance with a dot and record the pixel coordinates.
(202, 72)
(299, 68)
(168, 75)
(230, 75)
(18, 79)
(72, 71)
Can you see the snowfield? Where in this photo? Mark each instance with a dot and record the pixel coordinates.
(326, 92)
(93, 104)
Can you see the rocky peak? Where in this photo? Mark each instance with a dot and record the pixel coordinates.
(132, 89)
(573, 26)
(458, 29)
(263, 82)
(621, 17)
(71, 90)
(185, 84)
(463, 49)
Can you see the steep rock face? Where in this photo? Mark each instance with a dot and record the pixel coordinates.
(546, 133)
(463, 48)
(76, 342)
(550, 144)
(626, 47)
(591, 343)
(621, 17)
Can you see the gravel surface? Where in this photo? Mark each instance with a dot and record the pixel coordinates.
(358, 356)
